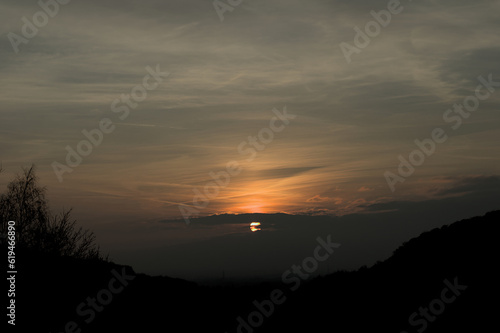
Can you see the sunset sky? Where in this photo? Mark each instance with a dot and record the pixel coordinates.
(352, 120)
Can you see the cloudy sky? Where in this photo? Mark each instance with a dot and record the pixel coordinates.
(352, 119)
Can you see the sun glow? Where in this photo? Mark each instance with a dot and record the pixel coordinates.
(252, 208)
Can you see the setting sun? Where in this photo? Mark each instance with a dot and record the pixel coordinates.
(255, 226)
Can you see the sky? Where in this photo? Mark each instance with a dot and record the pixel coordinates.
(330, 111)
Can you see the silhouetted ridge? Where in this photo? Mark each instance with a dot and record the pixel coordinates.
(380, 298)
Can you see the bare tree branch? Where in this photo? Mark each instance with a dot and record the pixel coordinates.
(39, 230)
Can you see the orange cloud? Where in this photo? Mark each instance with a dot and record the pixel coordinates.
(319, 198)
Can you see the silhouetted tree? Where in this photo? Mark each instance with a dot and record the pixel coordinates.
(36, 228)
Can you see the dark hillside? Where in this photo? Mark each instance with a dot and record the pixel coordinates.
(380, 298)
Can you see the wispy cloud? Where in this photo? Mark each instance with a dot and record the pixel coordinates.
(226, 78)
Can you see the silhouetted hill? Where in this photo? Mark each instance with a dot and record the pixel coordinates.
(383, 297)
(379, 298)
